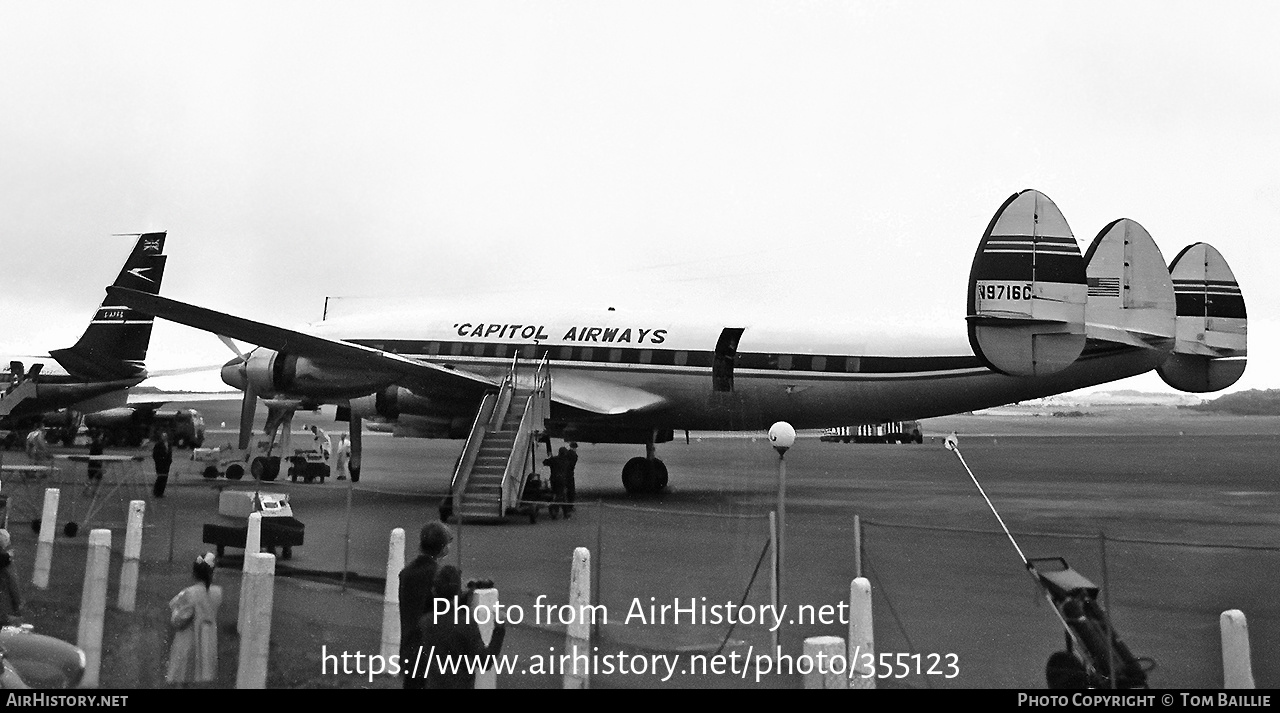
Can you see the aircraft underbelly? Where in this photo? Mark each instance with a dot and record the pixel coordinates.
(758, 400)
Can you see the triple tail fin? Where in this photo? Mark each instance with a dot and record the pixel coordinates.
(114, 346)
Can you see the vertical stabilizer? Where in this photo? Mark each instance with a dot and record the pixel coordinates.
(1131, 298)
(1212, 328)
(1027, 290)
(114, 345)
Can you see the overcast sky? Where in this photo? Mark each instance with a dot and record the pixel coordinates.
(832, 159)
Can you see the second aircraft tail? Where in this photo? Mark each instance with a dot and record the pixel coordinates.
(114, 345)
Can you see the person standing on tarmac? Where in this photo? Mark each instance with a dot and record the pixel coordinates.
(324, 444)
(94, 467)
(162, 454)
(344, 456)
(417, 582)
(558, 480)
(570, 486)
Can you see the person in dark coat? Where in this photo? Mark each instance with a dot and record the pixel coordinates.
(570, 486)
(416, 594)
(558, 480)
(454, 633)
(94, 467)
(162, 454)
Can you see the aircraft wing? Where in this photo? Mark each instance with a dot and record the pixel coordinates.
(573, 390)
(601, 397)
(430, 376)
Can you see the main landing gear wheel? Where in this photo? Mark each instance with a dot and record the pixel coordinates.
(641, 476)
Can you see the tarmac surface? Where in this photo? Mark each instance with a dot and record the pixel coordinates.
(961, 591)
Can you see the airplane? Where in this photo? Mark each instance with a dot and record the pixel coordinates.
(98, 370)
(1041, 319)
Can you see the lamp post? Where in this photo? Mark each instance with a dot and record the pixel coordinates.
(781, 435)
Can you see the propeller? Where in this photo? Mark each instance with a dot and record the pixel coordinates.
(249, 404)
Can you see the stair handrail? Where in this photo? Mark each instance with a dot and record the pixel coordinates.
(505, 389)
(467, 461)
(512, 475)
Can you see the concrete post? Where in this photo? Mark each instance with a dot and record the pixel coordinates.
(577, 638)
(255, 637)
(1237, 671)
(391, 597)
(253, 540)
(44, 546)
(128, 593)
(252, 545)
(486, 599)
(93, 605)
(862, 645)
(825, 654)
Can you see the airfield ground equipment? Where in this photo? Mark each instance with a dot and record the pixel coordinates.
(280, 529)
(887, 432)
(1095, 657)
(262, 461)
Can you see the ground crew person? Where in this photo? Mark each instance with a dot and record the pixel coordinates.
(162, 454)
(559, 478)
(323, 443)
(344, 456)
(570, 484)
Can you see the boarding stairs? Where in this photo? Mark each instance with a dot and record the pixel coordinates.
(489, 478)
(23, 391)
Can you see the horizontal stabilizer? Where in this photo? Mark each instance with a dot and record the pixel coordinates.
(1211, 330)
(1026, 306)
(1130, 291)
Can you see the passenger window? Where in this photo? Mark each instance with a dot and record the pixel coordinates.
(784, 361)
(646, 356)
(819, 363)
(566, 353)
(433, 348)
(456, 349)
(587, 353)
(682, 358)
(852, 364)
(615, 355)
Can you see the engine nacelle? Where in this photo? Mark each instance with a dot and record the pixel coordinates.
(272, 372)
(416, 415)
(395, 401)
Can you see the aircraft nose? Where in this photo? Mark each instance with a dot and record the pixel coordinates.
(233, 373)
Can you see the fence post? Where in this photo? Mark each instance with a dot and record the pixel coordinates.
(255, 636)
(128, 594)
(862, 645)
(822, 653)
(577, 633)
(486, 599)
(391, 597)
(773, 581)
(93, 605)
(857, 546)
(44, 546)
(1237, 671)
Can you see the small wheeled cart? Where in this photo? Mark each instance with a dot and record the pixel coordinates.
(280, 529)
(1095, 656)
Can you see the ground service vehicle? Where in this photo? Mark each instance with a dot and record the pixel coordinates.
(889, 432)
(279, 527)
(132, 426)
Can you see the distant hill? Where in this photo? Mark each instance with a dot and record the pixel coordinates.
(1253, 402)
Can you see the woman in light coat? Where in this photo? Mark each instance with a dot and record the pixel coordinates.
(193, 614)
